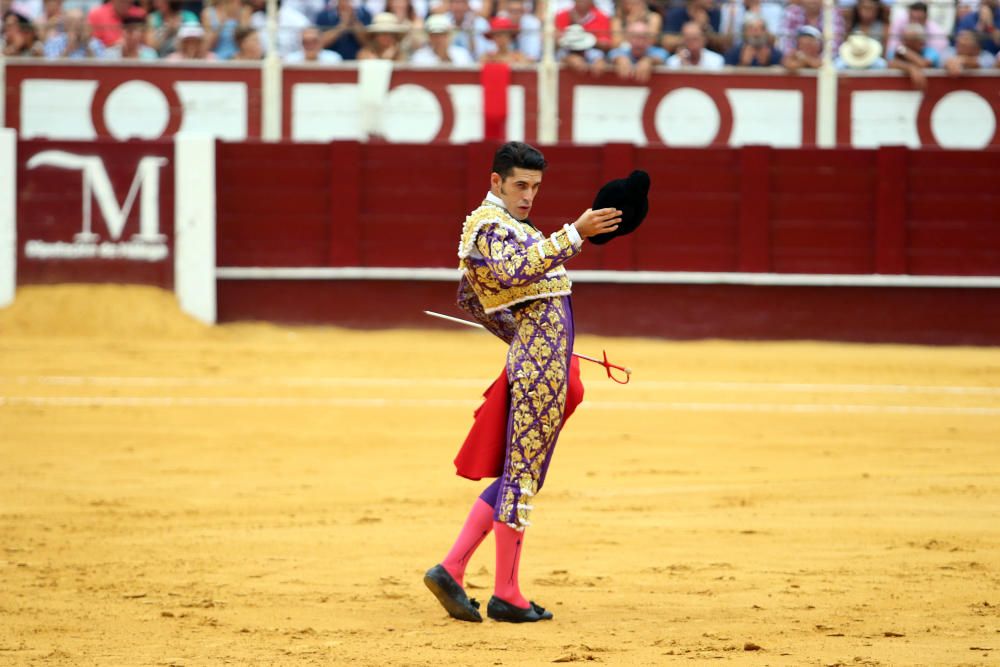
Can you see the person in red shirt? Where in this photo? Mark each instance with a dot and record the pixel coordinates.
(590, 18)
(106, 19)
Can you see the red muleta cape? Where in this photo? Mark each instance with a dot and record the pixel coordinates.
(483, 451)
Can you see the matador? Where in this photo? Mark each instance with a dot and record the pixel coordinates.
(514, 283)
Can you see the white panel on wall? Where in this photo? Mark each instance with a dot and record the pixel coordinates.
(412, 114)
(885, 118)
(216, 109)
(766, 117)
(57, 109)
(136, 110)
(963, 119)
(467, 101)
(603, 114)
(687, 117)
(325, 112)
(194, 226)
(515, 113)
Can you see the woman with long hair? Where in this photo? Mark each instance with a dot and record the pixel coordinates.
(867, 17)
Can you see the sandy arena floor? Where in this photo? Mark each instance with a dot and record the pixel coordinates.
(255, 495)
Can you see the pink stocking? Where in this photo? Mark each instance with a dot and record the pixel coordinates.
(509, 542)
(475, 530)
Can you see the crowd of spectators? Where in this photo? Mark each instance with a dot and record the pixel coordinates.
(628, 37)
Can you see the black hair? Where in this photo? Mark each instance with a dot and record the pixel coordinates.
(517, 154)
(855, 18)
(919, 6)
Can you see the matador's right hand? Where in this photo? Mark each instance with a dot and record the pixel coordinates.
(592, 222)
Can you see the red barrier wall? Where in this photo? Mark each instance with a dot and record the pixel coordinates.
(755, 209)
(752, 209)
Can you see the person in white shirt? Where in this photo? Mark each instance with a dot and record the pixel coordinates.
(692, 52)
(312, 50)
(440, 50)
(291, 23)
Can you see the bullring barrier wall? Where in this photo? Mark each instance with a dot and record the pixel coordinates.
(868, 245)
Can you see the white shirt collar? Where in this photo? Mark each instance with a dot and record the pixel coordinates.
(493, 199)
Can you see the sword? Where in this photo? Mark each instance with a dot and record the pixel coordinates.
(605, 363)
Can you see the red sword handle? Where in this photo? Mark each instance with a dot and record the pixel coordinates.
(608, 366)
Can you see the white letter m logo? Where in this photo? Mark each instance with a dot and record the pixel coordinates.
(97, 182)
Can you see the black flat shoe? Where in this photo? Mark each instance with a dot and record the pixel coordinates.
(540, 610)
(452, 596)
(501, 610)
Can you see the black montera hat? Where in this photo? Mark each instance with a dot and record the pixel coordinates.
(631, 196)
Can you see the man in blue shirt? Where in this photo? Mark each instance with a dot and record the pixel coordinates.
(343, 28)
(636, 58)
(913, 56)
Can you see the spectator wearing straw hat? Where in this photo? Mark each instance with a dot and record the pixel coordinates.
(859, 52)
(343, 28)
(969, 54)
(406, 12)
(502, 32)
(440, 50)
(693, 52)
(384, 39)
(578, 51)
(866, 17)
(584, 14)
(756, 49)
(636, 58)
